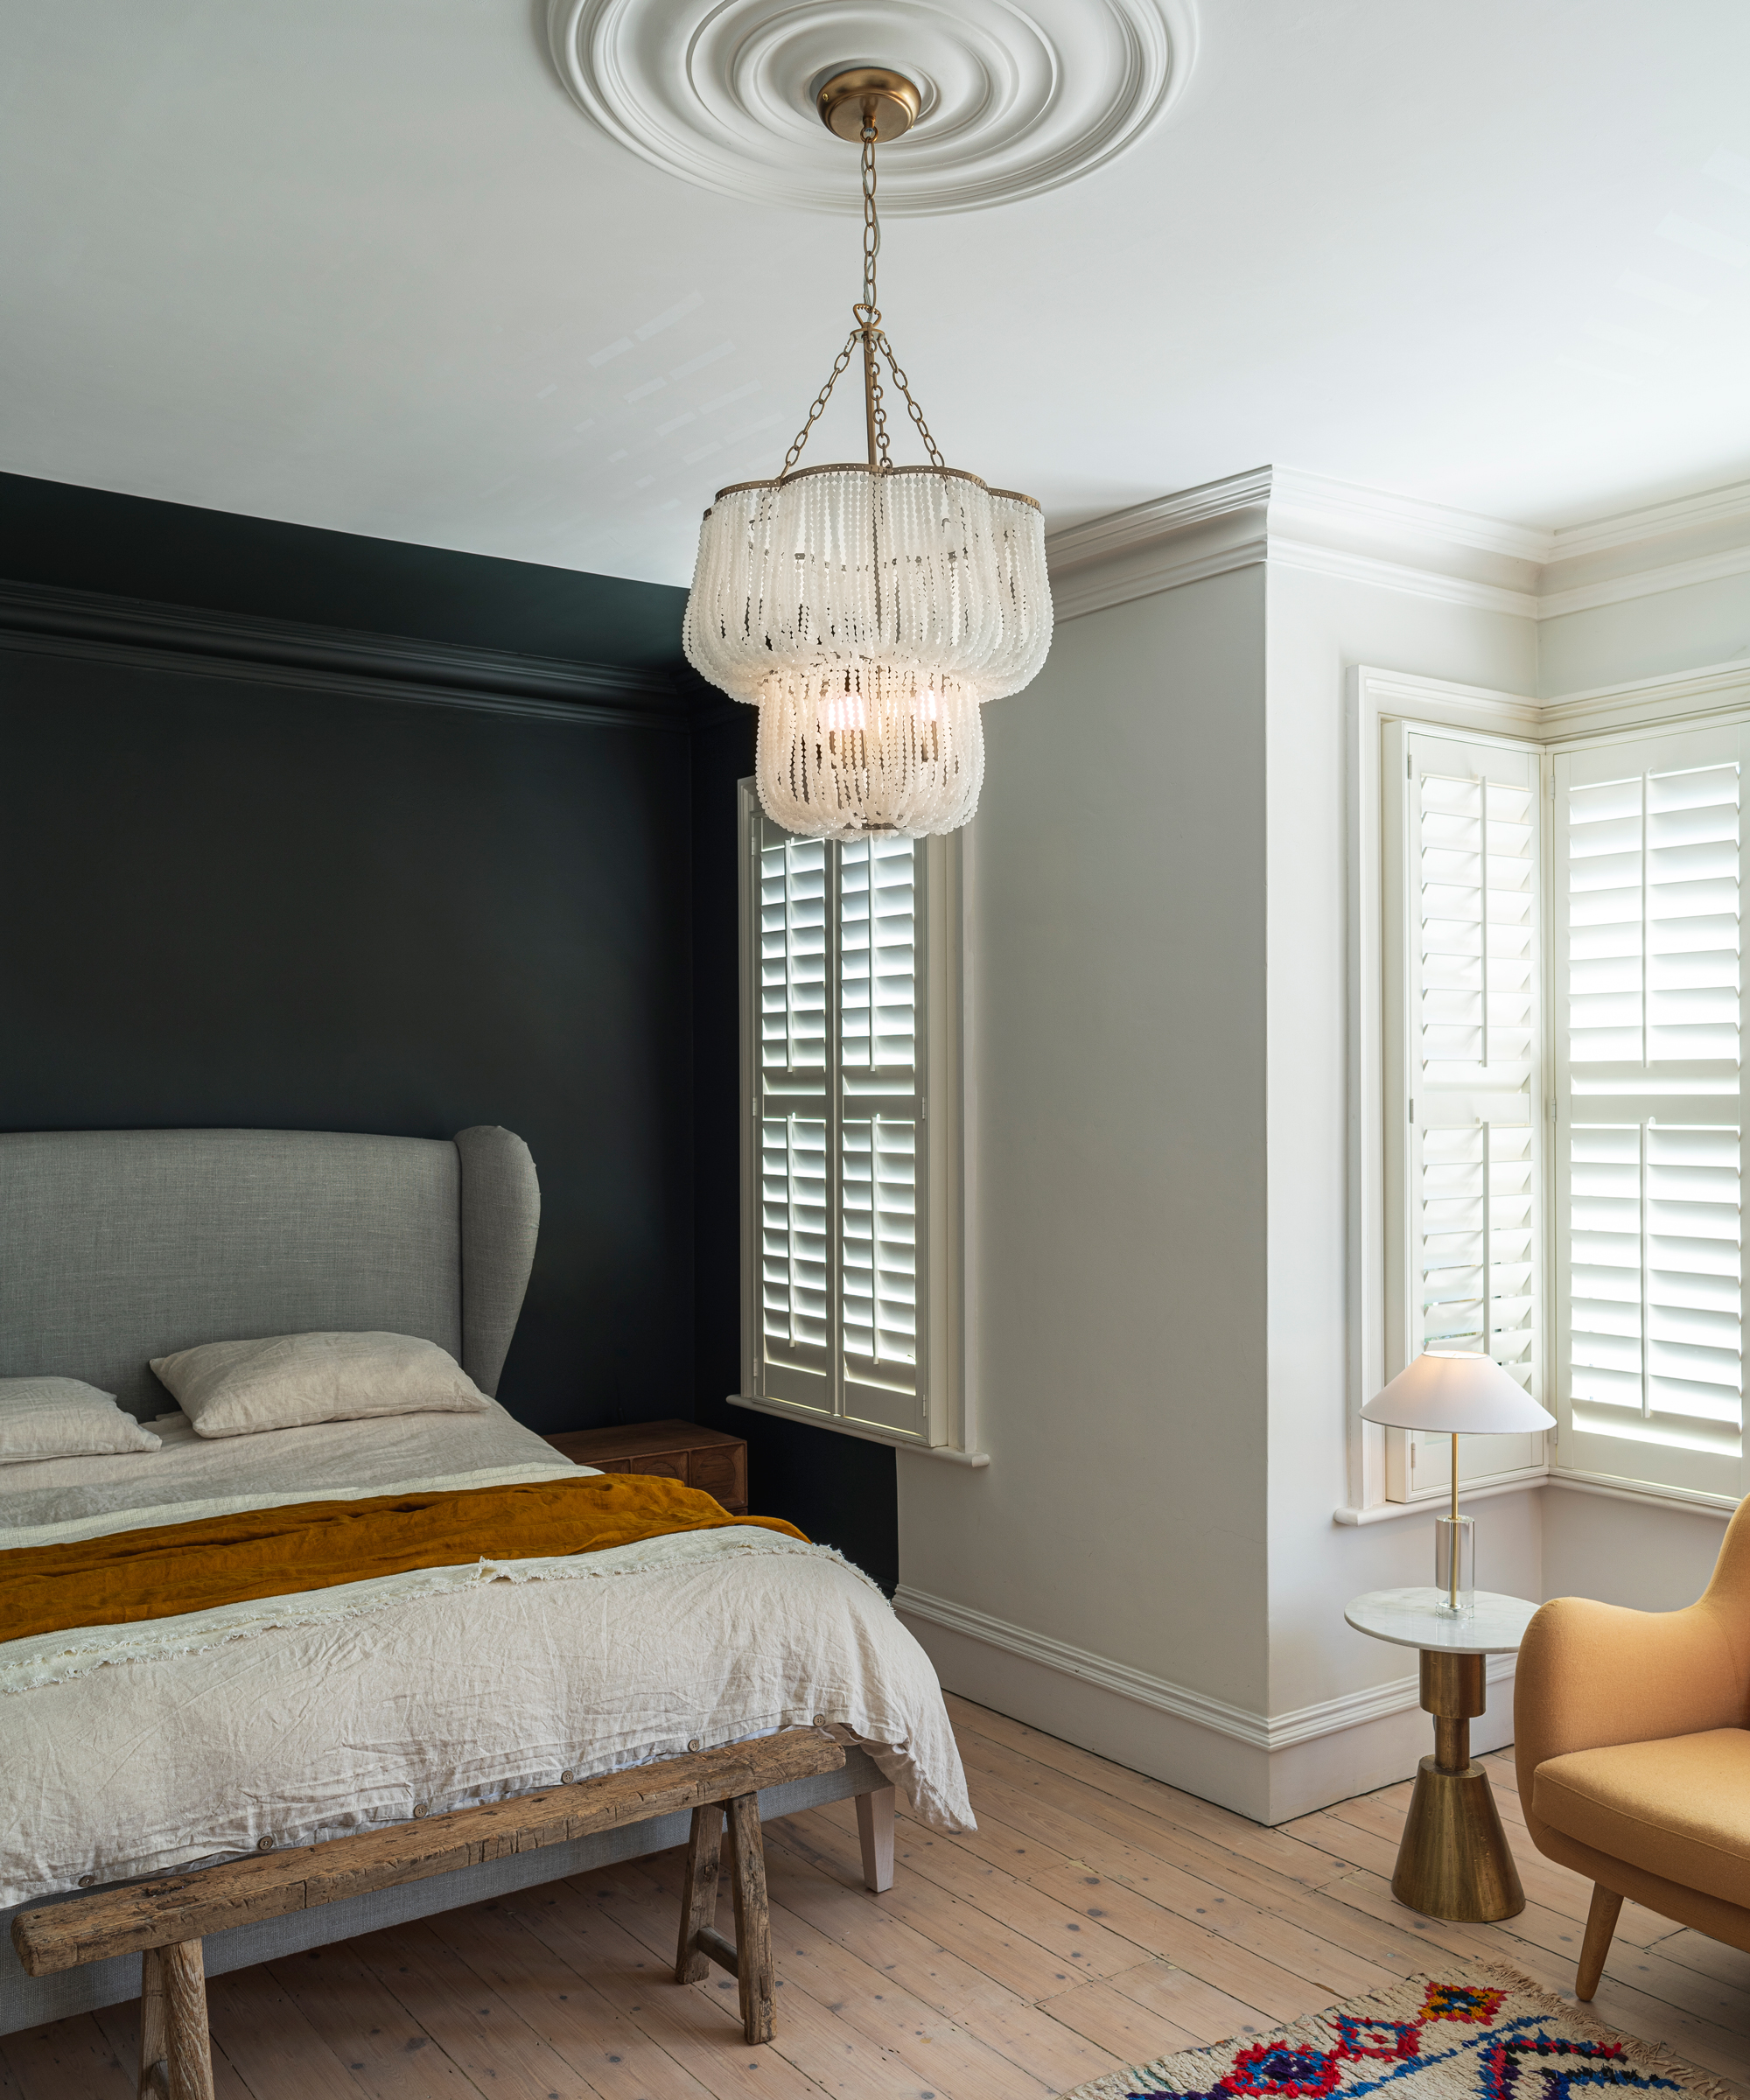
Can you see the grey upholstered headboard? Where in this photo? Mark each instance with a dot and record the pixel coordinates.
(116, 1246)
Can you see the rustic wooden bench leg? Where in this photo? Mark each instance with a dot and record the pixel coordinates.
(753, 1918)
(875, 1835)
(175, 2054)
(698, 1896)
(154, 2028)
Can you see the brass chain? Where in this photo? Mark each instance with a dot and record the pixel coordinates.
(917, 414)
(866, 312)
(872, 224)
(867, 315)
(820, 400)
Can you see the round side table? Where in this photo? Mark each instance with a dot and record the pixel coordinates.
(1452, 1861)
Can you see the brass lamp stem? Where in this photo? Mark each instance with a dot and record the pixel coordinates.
(1452, 1539)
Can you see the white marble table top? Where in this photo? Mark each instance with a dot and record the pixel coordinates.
(1495, 1627)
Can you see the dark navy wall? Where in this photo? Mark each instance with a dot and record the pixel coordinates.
(236, 904)
(231, 899)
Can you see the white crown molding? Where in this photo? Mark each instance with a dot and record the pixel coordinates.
(1352, 568)
(1159, 545)
(1239, 1724)
(1727, 508)
(1402, 518)
(1336, 529)
(1015, 102)
(1643, 583)
(1120, 531)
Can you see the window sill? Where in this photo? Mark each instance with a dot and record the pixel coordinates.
(1383, 1512)
(977, 1460)
(1657, 1498)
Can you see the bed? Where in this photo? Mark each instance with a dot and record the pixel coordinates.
(130, 1749)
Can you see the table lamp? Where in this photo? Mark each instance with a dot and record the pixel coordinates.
(1456, 1392)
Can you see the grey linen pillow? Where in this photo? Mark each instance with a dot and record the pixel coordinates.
(64, 1419)
(231, 1388)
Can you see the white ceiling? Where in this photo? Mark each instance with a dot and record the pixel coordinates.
(346, 262)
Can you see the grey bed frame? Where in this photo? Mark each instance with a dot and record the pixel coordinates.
(116, 1246)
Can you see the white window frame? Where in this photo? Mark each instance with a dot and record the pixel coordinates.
(1378, 699)
(944, 1422)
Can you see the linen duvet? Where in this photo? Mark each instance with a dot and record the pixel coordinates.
(139, 1744)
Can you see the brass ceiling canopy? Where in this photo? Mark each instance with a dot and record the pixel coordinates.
(871, 96)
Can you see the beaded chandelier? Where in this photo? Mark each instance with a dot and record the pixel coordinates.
(868, 609)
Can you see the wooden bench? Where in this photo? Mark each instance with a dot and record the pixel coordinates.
(164, 1919)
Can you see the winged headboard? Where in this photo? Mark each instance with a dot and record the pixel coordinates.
(116, 1246)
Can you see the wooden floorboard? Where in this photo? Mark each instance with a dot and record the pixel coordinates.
(1096, 1917)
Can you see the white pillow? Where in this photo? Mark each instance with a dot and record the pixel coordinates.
(63, 1418)
(231, 1388)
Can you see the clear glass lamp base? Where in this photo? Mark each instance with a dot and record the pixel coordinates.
(1455, 1548)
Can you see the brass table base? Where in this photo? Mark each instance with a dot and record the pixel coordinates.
(1453, 1861)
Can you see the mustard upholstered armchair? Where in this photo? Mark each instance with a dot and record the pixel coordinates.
(1632, 1737)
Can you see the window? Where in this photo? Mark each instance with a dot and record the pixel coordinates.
(849, 1240)
(1561, 1042)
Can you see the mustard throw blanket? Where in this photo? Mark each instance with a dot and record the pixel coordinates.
(169, 1568)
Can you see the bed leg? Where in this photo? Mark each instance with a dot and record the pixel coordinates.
(753, 1918)
(176, 2054)
(875, 1835)
(698, 1895)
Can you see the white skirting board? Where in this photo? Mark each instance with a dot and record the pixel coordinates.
(27, 2001)
(1269, 1768)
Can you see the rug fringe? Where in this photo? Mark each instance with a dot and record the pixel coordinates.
(1654, 2058)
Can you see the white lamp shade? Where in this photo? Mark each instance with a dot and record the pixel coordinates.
(1448, 1389)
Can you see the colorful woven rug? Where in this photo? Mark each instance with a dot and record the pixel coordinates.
(1473, 2033)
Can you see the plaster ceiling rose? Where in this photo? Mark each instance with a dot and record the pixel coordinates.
(1013, 101)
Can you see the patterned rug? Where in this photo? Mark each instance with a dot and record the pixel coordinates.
(1485, 2034)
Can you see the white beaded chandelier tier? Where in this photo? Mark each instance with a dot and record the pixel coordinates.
(868, 609)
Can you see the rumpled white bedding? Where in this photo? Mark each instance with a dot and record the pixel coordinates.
(133, 1749)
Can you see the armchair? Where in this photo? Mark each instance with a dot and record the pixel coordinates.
(1632, 1738)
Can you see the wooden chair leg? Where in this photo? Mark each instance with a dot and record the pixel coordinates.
(1601, 1926)
(875, 1835)
(753, 1918)
(698, 1895)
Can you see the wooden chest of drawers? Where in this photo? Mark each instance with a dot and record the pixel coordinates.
(678, 1451)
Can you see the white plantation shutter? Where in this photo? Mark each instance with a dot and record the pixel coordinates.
(1649, 1223)
(1465, 997)
(795, 1220)
(837, 1282)
(879, 879)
